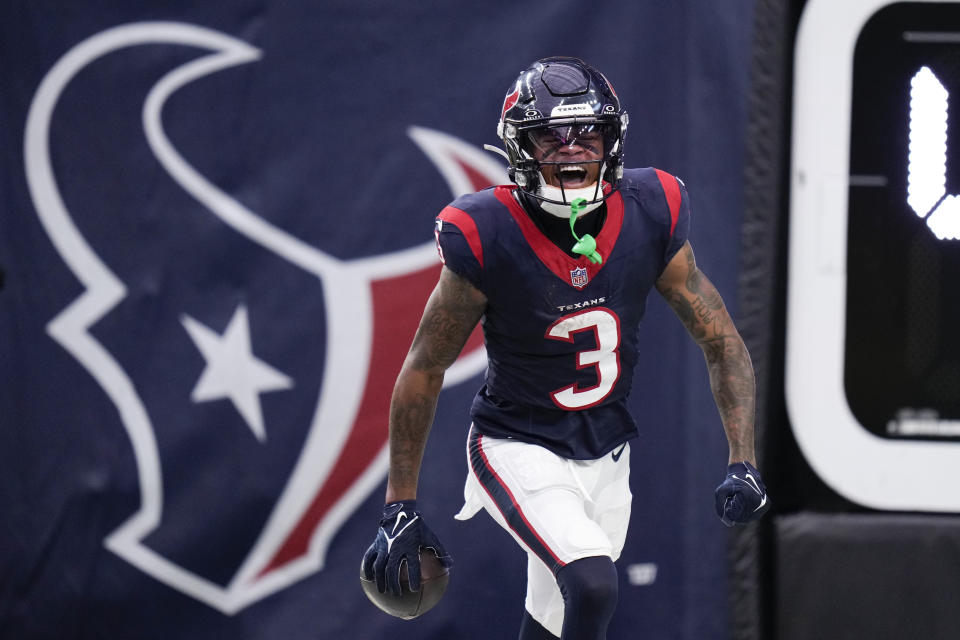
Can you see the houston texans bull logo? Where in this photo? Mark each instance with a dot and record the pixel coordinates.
(369, 308)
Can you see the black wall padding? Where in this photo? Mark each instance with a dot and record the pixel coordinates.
(765, 197)
(857, 576)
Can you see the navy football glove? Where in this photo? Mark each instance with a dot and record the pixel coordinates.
(401, 536)
(742, 496)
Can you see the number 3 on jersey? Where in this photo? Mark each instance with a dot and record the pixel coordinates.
(605, 358)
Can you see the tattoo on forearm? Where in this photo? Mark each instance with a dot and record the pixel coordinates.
(734, 389)
(410, 422)
(702, 316)
(451, 314)
(707, 303)
(701, 310)
(695, 300)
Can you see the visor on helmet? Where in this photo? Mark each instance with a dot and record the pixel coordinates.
(594, 137)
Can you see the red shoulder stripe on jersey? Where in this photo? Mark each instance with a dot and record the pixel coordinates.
(462, 220)
(672, 190)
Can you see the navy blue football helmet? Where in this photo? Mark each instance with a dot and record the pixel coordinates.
(562, 101)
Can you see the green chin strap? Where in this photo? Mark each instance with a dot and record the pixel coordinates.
(586, 246)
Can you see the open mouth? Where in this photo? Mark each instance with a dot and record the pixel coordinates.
(573, 176)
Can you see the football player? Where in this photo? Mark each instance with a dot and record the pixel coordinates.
(557, 268)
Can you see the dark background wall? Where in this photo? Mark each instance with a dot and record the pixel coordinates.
(137, 504)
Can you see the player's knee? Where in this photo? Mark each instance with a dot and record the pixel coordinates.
(590, 584)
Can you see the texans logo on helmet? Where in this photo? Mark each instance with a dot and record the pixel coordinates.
(310, 410)
(510, 100)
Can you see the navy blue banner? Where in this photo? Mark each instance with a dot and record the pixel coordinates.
(216, 232)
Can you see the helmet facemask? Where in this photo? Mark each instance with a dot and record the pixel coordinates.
(570, 159)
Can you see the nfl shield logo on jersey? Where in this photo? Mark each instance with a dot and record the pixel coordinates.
(578, 277)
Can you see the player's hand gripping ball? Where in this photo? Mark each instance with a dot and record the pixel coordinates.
(406, 570)
(742, 497)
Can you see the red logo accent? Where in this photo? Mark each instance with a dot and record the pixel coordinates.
(610, 85)
(509, 101)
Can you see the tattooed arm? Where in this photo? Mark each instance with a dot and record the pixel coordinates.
(698, 305)
(453, 310)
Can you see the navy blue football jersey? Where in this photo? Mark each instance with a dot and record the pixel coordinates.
(561, 332)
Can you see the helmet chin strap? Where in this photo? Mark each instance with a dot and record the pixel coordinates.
(565, 197)
(549, 192)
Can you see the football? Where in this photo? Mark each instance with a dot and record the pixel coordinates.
(434, 578)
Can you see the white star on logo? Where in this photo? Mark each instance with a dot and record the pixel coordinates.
(232, 370)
